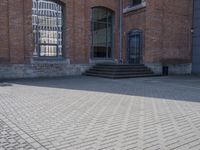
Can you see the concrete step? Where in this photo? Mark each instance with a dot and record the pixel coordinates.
(120, 76)
(119, 67)
(119, 71)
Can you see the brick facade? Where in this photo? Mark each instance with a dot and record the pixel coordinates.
(166, 26)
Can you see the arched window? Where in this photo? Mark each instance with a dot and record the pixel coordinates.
(47, 28)
(102, 32)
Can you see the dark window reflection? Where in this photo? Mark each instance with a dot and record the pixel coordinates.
(135, 2)
(102, 33)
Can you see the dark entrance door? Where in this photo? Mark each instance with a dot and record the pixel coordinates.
(134, 51)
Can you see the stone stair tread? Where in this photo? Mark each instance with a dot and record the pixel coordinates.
(119, 71)
(122, 67)
(122, 76)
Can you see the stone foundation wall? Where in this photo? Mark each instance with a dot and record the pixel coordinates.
(176, 69)
(41, 70)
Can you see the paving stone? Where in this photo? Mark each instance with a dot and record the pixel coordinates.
(86, 113)
(10, 139)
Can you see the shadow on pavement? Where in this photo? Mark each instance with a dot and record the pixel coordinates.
(182, 88)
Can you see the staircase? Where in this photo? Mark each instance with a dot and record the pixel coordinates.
(116, 71)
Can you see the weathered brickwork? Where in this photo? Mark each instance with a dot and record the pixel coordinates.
(166, 27)
(4, 50)
(8, 71)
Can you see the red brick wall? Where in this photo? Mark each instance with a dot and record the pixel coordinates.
(133, 20)
(170, 22)
(15, 31)
(4, 43)
(28, 36)
(77, 28)
(166, 25)
(78, 36)
(154, 31)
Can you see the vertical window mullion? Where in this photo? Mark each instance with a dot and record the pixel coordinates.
(37, 28)
(106, 34)
(92, 28)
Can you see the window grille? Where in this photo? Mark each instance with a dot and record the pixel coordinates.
(47, 22)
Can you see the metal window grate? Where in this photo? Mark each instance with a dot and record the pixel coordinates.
(135, 46)
(47, 25)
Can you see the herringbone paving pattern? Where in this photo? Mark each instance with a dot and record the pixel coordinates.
(85, 113)
(9, 139)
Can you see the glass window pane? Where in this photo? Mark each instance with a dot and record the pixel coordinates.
(100, 51)
(99, 35)
(99, 14)
(135, 2)
(102, 36)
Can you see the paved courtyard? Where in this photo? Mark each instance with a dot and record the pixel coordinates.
(86, 113)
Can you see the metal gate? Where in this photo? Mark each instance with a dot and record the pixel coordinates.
(134, 47)
(47, 28)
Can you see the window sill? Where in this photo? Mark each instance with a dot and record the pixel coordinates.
(134, 8)
(49, 60)
(102, 60)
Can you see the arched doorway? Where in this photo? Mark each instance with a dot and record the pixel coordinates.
(102, 33)
(134, 47)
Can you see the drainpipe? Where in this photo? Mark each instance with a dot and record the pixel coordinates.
(120, 30)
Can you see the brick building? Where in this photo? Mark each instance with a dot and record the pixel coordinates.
(64, 37)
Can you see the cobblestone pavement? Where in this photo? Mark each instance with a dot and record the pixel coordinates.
(86, 113)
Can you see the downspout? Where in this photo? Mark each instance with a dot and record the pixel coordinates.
(120, 31)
